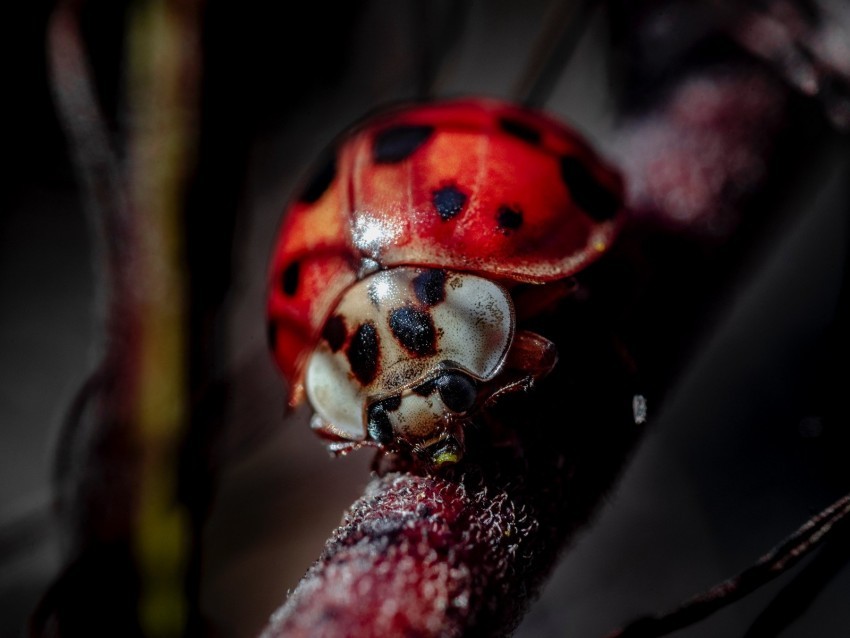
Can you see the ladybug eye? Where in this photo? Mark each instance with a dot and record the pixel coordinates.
(380, 427)
(457, 391)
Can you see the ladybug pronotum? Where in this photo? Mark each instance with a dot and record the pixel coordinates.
(392, 291)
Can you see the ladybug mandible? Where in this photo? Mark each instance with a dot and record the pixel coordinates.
(404, 270)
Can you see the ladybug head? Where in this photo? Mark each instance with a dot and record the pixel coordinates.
(429, 416)
(405, 358)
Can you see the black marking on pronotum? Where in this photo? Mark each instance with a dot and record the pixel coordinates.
(414, 329)
(335, 332)
(519, 129)
(379, 426)
(448, 201)
(363, 353)
(319, 181)
(289, 279)
(399, 142)
(430, 287)
(508, 219)
(597, 201)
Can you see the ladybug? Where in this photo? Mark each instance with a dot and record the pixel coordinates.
(405, 269)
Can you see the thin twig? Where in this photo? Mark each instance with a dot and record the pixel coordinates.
(773, 564)
(95, 159)
(559, 38)
(120, 475)
(436, 28)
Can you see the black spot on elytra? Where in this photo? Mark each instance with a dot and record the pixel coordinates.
(271, 335)
(364, 352)
(399, 142)
(334, 332)
(520, 129)
(414, 329)
(379, 426)
(319, 182)
(289, 279)
(508, 219)
(430, 287)
(592, 197)
(449, 201)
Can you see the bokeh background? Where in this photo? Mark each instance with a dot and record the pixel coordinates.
(749, 443)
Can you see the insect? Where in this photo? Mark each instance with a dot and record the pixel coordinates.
(406, 268)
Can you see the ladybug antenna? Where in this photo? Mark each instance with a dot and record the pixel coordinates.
(830, 523)
(562, 30)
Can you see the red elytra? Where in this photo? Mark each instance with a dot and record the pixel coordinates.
(481, 186)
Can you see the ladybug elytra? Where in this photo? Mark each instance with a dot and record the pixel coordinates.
(392, 300)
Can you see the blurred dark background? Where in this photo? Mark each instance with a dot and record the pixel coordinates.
(750, 442)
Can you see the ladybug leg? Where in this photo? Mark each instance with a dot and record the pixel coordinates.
(386, 461)
(530, 358)
(338, 444)
(532, 354)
